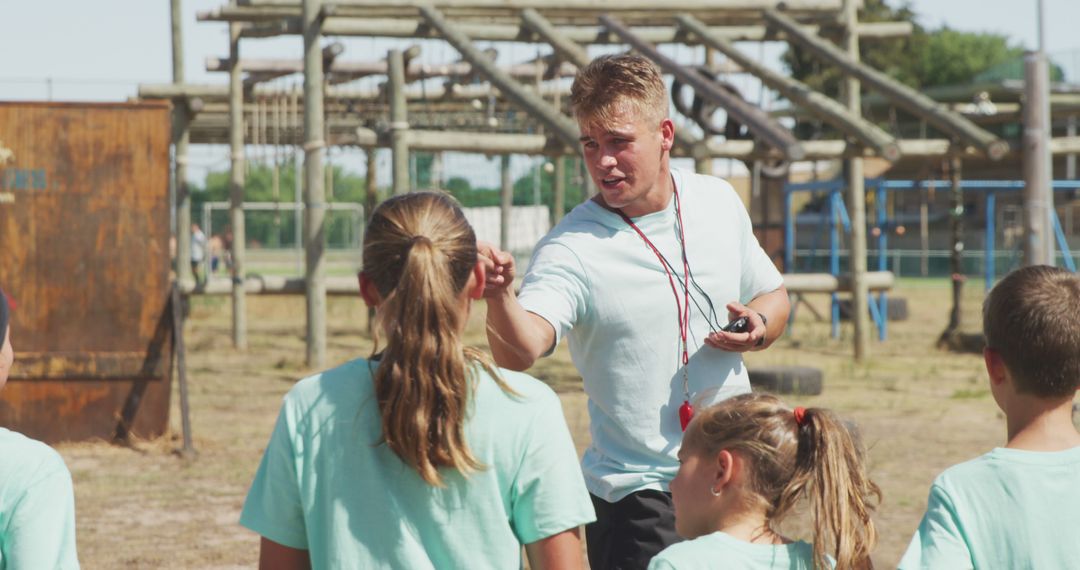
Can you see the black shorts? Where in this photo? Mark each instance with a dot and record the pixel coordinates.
(628, 533)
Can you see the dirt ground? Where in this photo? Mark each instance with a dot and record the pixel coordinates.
(918, 409)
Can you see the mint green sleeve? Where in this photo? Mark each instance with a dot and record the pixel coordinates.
(548, 495)
(939, 541)
(660, 563)
(40, 529)
(273, 507)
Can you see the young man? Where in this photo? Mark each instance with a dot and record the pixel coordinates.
(639, 279)
(1019, 505)
(37, 504)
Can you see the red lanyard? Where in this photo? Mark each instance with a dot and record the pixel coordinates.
(686, 411)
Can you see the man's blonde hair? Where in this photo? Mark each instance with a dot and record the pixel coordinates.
(612, 84)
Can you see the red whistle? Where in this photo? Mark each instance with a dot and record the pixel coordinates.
(686, 413)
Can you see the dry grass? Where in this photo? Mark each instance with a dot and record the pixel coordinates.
(919, 410)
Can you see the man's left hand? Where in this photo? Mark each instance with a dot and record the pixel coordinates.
(739, 341)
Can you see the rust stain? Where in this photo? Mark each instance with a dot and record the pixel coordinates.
(84, 256)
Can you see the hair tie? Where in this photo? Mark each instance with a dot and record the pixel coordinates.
(418, 239)
(800, 416)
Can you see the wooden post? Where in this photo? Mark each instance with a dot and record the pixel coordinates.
(236, 188)
(956, 260)
(558, 188)
(399, 122)
(1038, 197)
(314, 194)
(371, 199)
(856, 199)
(181, 138)
(506, 204)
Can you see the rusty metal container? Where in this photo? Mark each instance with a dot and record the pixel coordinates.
(84, 252)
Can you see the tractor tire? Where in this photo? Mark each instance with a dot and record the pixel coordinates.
(799, 380)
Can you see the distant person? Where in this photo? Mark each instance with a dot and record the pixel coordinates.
(423, 455)
(745, 463)
(37, 503)
(216, 248)
(198, 253)
(1017, 506)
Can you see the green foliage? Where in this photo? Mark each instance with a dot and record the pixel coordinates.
(271, 229)
(927, 58)
(277, 229)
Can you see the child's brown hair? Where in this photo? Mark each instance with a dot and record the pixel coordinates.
(1032, 319)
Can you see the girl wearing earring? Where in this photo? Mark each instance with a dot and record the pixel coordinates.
(744, 463)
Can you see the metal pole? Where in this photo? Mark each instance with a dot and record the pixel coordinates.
(314, 195)
(236, 187)
(399, 122)
(181, 138)
(1038, 200)
(856, 197)
(506, 204)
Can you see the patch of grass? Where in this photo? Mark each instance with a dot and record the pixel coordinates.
(970, 394)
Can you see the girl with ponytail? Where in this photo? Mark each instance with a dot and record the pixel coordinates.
(423, 455)
(745, 463)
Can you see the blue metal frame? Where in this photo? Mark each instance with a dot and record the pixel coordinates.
(836, 209)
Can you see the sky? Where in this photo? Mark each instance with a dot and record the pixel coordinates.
(71, 50)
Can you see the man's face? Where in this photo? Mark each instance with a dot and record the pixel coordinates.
(7, 357)
(624, 158)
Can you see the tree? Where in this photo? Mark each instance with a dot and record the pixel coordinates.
(926, 58)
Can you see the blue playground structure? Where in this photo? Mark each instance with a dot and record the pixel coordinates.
(836, 210)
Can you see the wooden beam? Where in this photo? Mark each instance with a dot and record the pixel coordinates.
(399, 123)
(587, 5)
(236, 187)
(828, 283)
(822, 106)
(560, 124)
(904, 96)
(759, 123)
(567, 48)
(403, 24)
(314, 191)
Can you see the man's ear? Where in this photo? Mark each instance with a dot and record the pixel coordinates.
(667, 134)
(995, 366)
(368, 292)
(479, 276)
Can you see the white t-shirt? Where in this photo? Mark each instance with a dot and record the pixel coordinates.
(597, 283)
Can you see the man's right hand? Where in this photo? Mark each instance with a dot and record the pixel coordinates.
(498, 269)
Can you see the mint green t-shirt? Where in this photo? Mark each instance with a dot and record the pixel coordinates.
(721, 550)
(1009, 508)
(326, 485)
(37, 506)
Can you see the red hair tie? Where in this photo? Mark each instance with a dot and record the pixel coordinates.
(800, 416)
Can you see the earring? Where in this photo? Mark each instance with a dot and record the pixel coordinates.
(714, 492)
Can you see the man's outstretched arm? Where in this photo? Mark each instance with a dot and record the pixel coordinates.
(517, 337)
